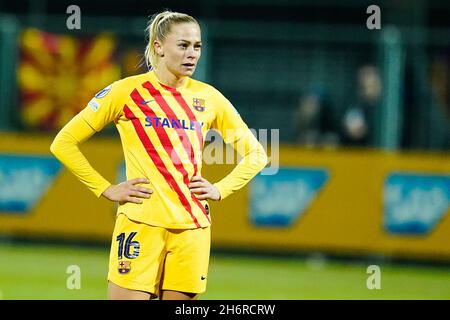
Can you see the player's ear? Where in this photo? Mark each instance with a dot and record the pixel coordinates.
(158, 48)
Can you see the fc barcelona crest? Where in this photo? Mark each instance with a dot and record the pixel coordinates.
(124, 267)
(199, 104)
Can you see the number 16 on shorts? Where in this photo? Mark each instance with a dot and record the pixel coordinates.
(128, 249)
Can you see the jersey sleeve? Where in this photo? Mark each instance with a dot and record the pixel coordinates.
(228, 121)
(103, 108)
(236, 133)
(65, 149)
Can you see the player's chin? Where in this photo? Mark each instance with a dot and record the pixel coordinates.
(187, 71)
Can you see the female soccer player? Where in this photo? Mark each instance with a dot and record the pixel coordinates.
(161, 240)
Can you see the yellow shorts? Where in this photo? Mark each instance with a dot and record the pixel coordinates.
(150, 259)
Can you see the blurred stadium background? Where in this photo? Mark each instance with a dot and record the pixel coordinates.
(363, 115)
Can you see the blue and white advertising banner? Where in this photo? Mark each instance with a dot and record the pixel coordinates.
(415, 203)
(24, 180)
(280, 200)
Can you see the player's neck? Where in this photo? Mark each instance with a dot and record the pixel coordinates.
(169, 79)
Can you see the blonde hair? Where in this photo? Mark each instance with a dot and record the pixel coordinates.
(158, 28)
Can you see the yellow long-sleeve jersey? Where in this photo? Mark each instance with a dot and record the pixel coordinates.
(162, 131)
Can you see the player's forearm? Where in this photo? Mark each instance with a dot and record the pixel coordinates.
(65, 148)
(254, 159)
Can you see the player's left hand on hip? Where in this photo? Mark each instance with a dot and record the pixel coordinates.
(203, 189)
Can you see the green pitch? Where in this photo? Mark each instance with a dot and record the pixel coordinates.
(39, 272)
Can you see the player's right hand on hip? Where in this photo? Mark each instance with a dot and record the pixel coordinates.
(128, 191)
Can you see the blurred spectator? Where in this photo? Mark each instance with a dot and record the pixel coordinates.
(360, 118)
(440, 87)
(314, 122)
(440, 82)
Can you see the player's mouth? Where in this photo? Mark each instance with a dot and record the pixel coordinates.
(189, 65)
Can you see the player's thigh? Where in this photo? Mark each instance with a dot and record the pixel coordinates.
(187, 260)
(116, 292)
(137, 255)
(175, 295)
